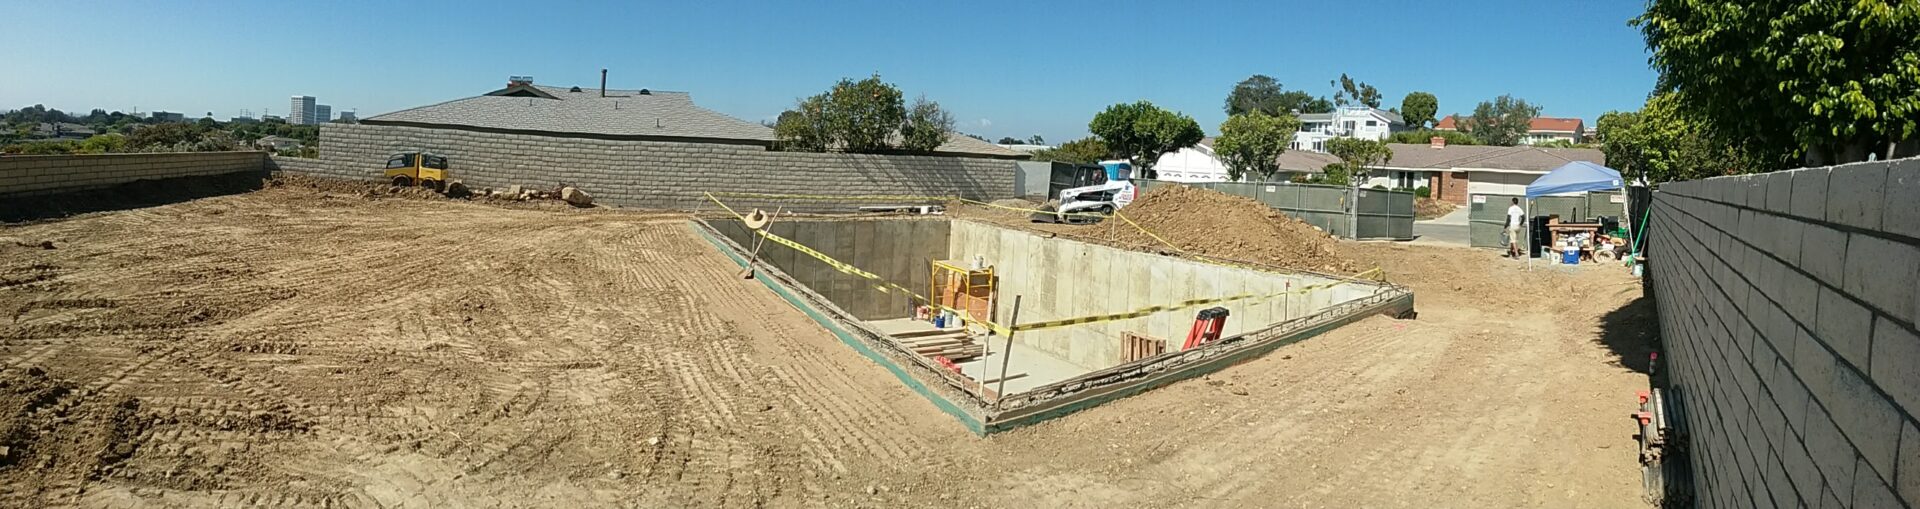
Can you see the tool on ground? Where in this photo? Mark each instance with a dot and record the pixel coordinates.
(1206, 327)
(757, 220)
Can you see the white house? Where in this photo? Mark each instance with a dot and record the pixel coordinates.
(1345, 122)
(1192, 164)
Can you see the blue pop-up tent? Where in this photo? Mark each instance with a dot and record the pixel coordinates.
(1573, 177)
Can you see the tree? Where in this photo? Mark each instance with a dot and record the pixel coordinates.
(1263, 94)
(1502, 121)
(1251, 144)
(1661, 143)
(1008, 140)
(927, 127)
(1418, 109)
(1085, 151)
(1791, 82)
(1353, 92)
(1142, 132)
(862, 116)
(102, 144)
(1036, 140)
(1357, 155)
(803, 128)
(1425, 136)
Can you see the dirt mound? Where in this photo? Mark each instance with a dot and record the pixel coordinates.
(1429, 208)
(1212, 223)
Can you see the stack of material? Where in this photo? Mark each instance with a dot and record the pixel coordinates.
(954, 344)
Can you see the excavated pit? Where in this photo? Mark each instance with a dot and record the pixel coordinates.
(1050, 372)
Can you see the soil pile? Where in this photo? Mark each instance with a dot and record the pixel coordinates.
(1429, 208)
(1212, 223)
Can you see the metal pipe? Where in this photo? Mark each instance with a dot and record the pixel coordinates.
(603, 82)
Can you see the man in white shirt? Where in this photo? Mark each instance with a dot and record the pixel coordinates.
(1515, 218)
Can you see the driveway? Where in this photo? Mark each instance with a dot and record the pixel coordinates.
(1450, 229)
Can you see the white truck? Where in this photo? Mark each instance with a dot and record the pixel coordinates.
(1086, 204)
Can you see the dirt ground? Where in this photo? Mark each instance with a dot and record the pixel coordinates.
(295, 347)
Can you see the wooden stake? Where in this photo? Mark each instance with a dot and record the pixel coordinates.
(1007, 356)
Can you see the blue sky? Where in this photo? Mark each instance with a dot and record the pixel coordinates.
(1003, 68)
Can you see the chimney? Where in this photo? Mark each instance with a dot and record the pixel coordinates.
(603, 82)
(1438, 142)
(519, 80)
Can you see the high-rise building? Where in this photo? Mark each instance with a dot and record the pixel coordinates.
(302, 110)
(322, 114)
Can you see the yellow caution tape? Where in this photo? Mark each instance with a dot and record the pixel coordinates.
(885, 286)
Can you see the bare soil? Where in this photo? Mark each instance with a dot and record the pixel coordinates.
(1198, 222)
(1429, 208)
(304, 346)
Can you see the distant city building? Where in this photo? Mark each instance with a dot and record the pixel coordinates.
(168, 116)
(242, 120)
(322, 114)
(272, 119)
(348, 117)
(302, 110)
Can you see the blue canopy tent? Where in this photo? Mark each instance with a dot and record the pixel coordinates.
(1573, 177)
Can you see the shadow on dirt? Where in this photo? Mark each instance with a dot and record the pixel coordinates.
(131, 195)
(1632, 332)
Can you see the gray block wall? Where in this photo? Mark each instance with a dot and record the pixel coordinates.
(1787, 308)
(654, 173)
(50, 174)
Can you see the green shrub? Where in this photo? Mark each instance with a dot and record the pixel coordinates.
(1423, 192)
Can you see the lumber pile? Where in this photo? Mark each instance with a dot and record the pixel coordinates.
(954, 344)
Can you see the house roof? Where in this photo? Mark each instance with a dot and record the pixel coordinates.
(1538, 124)
(622, 114)
(1519, 158)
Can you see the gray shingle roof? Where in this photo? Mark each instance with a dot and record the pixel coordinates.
(621, 113)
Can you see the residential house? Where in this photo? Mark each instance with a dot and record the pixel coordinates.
(1025, 148)
(1345, 122)
(1454, 171)
(276, 143)
(1199, 163)
(62, 131)
(1540, 129)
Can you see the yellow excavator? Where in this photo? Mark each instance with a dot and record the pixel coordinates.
(418, 169)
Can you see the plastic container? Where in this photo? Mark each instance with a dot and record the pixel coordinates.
(940, 320)
(1570, 257)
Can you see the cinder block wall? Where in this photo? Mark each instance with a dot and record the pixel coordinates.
(39, 175)
(1787, 304)
(654, 174)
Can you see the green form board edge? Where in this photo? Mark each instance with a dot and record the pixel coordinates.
(847, 338)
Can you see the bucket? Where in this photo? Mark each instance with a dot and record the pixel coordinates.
(940, 320)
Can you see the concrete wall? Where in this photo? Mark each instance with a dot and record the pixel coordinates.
(1060, 278)
(653, 173)
(898, 250)
(1787, 307)
(39, 175)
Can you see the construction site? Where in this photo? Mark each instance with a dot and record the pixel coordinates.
(321, 342)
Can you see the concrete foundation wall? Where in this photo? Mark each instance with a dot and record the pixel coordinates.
(1060, 278)
(654, 173)
(897, 250)
(1787, 308)
(39, 175)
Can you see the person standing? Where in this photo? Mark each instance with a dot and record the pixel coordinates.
(1515, 219)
